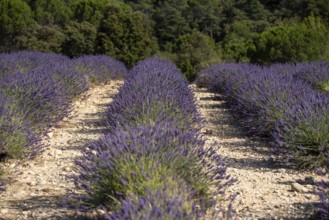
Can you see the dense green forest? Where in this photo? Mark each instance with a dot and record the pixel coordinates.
(192, 33)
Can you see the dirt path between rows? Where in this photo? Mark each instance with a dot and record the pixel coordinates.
(38, 186)
(264, 190)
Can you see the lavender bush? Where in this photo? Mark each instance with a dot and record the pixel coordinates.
(155, 206)
(15, 132)
(305, 142)
(154, 91)
(36, 91)
(153, 147)
(134, 159)
(130, 161)
(286, 104)
(43, 97)
(215, 76)
(25, 61)
(273, 102)
(166, 205)
(315, 74)
(100, 68)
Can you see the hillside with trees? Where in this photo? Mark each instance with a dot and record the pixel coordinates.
(192, 33)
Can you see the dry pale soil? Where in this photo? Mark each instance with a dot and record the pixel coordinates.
(38, 187)
(265, 189)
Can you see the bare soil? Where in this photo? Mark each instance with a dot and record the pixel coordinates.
(37, 187)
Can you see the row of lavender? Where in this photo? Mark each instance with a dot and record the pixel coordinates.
(150, 164)
(36, 91)
(288, 104)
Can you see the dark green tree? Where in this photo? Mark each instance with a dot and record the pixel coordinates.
(206, 16)
(41, 38)
(255, 10)
(170, 22)
(193, 52)
(50, 12)
(91, 11)
(239, 41)
(15, 17)
(306, 41)
(79, 38)
(318, 8)
(126, 35)
(145, 6)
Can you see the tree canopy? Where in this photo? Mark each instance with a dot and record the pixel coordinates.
(126, 35)
(293, 43)
(261, 31)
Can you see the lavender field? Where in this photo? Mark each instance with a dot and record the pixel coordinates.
(286, 104)
(36, 92)
(152, 154)
(152, 161)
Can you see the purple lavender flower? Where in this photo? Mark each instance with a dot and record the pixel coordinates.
(157, 206)
(315, 74)
(154, 146)
(15, 133)
(36, 90)
(25, 61)
(154, 91)
(279, 103)
(100, 68)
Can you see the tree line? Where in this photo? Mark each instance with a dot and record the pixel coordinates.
(192, 33)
